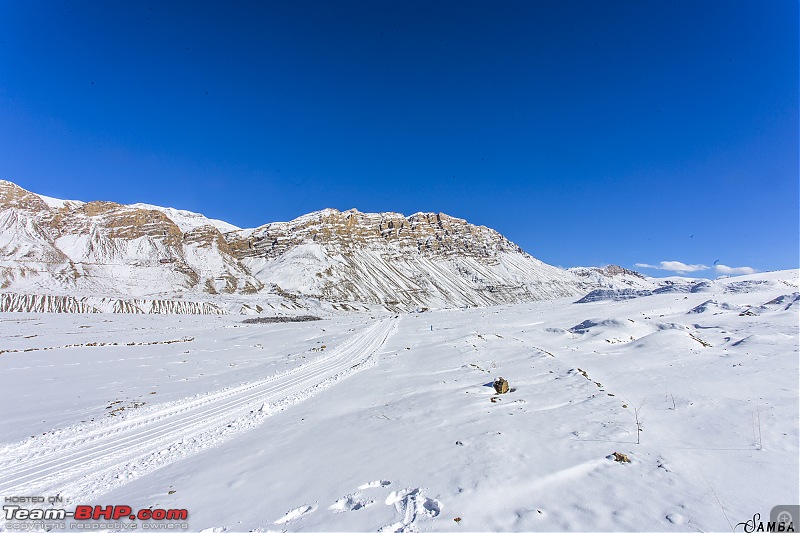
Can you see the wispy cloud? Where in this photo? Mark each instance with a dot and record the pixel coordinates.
(674, 266)
(683, 268)
(732, 271)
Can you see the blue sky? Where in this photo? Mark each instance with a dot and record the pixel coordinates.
(660, 133)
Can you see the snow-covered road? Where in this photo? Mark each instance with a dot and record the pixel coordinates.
(90, 459)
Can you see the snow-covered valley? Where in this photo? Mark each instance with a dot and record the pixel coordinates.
(365, 422)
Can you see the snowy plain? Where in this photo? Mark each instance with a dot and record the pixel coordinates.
(392, 425)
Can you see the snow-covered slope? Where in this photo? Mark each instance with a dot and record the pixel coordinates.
(614, 277)
(425, 260)
(109, 250)
(764, 281)
(187, 220)
(105, 249)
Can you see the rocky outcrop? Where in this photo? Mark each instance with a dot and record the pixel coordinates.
(42, 303)
(500, 385)
(429, 234)
(110, 248)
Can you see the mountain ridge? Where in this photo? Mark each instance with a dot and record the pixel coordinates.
(389, 260)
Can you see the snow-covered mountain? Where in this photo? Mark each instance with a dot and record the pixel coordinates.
(614, 277)
(109, 250)
(424, 260)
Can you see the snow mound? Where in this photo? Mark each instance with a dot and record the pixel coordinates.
(713, 305)
(785, 300)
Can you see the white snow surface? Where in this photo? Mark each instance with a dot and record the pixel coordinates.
(188, 220)
(391, 426)
(56, 203)
(600, 278)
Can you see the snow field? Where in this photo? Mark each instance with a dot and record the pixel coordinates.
(417, 441)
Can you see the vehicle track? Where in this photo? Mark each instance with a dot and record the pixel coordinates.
(147, 439)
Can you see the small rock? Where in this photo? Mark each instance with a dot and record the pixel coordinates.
(501, 385)
(621, 457)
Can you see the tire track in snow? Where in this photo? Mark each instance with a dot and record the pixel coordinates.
(77, 462)
(80, 435)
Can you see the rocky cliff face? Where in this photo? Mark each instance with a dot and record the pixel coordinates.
(427, 234)
(424, 260)
(107, 249)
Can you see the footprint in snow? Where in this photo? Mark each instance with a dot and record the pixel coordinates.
(354, 502)
(374, 484)
(296, 513)
(676, 518)
(351, 502)
(410, 504)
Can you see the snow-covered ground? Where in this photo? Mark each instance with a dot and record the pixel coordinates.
(394, 425)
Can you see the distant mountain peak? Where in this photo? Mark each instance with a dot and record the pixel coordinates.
(14, 196)
(612, 276)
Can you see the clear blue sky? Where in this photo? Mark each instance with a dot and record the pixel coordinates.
(588, 132)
